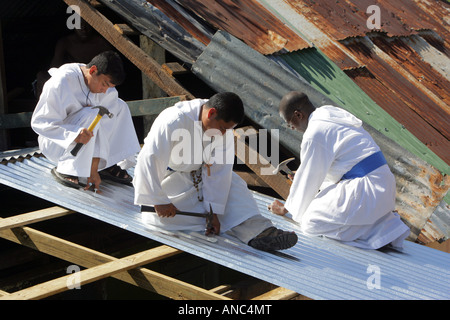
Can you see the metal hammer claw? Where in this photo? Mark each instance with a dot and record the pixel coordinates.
(101, 112)
(283, 167)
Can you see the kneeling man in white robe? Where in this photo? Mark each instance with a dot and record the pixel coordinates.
(343, 188)
(186, 165)
(64, 112)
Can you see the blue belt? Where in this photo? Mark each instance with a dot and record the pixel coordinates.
(365, 166)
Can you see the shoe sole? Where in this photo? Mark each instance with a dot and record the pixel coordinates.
(271, 243)
(60, 178)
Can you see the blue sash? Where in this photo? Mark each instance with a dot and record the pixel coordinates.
(365, 166)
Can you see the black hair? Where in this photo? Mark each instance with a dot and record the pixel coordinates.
(229, 107)
(110, 64)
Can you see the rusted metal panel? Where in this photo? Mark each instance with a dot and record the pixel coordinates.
(396, 79)
(344, 19)
(248, 21)
(432, 231)
(439, 59)
(399, 79)
(308, 30)
(389, 101)
(410, 60)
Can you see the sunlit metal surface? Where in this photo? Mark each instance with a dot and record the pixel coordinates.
(420, 187)
(316, 267)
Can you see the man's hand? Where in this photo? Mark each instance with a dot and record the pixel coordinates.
(278, 208)
(165, 210)
(84, 136)
(94, 181)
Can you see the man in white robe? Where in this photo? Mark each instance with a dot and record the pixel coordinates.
(343, 188)
(64, 112)
(186, 165)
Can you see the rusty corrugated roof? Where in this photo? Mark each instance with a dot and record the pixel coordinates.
(397, 109)
(401, 91)
(401, 81)
(412, 62)
(344, 19)
(247, 20)
(398, 82)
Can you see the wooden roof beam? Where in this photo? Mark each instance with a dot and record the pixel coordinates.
(85, 257)
(32, 217)
(135, 54)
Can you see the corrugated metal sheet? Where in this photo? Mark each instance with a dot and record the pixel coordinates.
(247, 20)
(417, 94)
(400, 111)
(394, 77)
(413, 63)
(420, 186)
(315, 68)
(344, 19)
(308, 30)
(408, 86)
(316, 267)
(153, 23)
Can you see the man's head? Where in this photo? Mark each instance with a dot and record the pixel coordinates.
(223, 111)
(295, 108)
(105, 71)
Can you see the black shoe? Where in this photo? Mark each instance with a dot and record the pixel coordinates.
(116, 174)
(273, 239)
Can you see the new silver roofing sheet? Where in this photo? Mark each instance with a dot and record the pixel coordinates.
(316, 267)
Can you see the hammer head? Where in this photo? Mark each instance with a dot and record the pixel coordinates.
(209, 218)
(283, 167)
(103, 111)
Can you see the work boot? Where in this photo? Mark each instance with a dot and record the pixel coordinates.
(273, 239)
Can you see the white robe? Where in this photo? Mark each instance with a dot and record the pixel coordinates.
(357, 211)
(62, 112)
(176, 141)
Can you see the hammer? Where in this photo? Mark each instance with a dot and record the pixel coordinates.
(283, 167)
(208, 216)
(101, 112)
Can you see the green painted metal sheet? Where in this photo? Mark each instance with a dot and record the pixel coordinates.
(325, 76)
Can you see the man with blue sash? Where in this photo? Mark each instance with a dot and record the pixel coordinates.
(343, 188)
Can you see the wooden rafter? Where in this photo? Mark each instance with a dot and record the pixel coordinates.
(32, 217)
(88, 258)
(102, 271)
(135, 54)
(277, 182)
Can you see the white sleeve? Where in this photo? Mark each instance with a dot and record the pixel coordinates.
(51, 111)
(315, 163)
(216, 187)
(152, 164)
